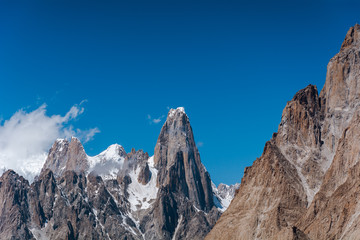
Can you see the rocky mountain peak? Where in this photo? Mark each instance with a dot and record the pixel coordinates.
(305, 183)
(12, 177)
(341, 90)
(309, 98)
(300, 123)
(176, 112)
(65, 155)
(178, 160)
(352, 37)
(113, 151)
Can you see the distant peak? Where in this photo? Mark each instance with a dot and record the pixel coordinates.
(114, 146)
(75, 139)
(174, 112)
(114, 150)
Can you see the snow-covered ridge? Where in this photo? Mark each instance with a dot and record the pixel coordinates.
(223, 195)
(108, 163)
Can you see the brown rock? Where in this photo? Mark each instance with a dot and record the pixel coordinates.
(270, 198)
(315, 153)
(144, 175)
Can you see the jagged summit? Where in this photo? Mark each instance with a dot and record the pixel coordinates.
(352, 37)
(305, 185)
(113, 151)
(309, 98)
(183, 183)
(177, 157)
(176, 112)
(65, 155)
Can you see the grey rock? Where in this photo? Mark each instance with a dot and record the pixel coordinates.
(14, 211)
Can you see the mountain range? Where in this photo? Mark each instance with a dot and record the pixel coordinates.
(116, 195)
(305, 185)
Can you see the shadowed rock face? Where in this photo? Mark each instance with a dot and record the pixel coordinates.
(178, 160)
(304, 186)
(14, 210)
(144, 175)
(185, 197)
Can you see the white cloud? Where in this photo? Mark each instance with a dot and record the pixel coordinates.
(200, 144)
(26, 137)
(154, 120)
(86, 135)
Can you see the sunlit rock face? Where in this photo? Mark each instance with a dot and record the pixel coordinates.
(304, 184)
(65, 155)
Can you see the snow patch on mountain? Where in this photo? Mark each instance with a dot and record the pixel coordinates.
(172, 112)
(223, 195)
(141, 196)
(108, 163)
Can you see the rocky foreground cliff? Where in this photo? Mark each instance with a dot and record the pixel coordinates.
(116, 195)
(306, 183)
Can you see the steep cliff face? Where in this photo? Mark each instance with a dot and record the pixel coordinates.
(14, 210)
(304, 184)
(335, 212)
(299, 139)
(340, 95)
(185, 198)
(271, 197)
(178, 160)
(277, 188)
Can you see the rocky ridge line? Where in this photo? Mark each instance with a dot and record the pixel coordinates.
(304, 184)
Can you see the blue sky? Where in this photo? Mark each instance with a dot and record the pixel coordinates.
(233, 65)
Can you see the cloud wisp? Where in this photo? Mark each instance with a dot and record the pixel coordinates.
(154, 120)
(26, 137)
